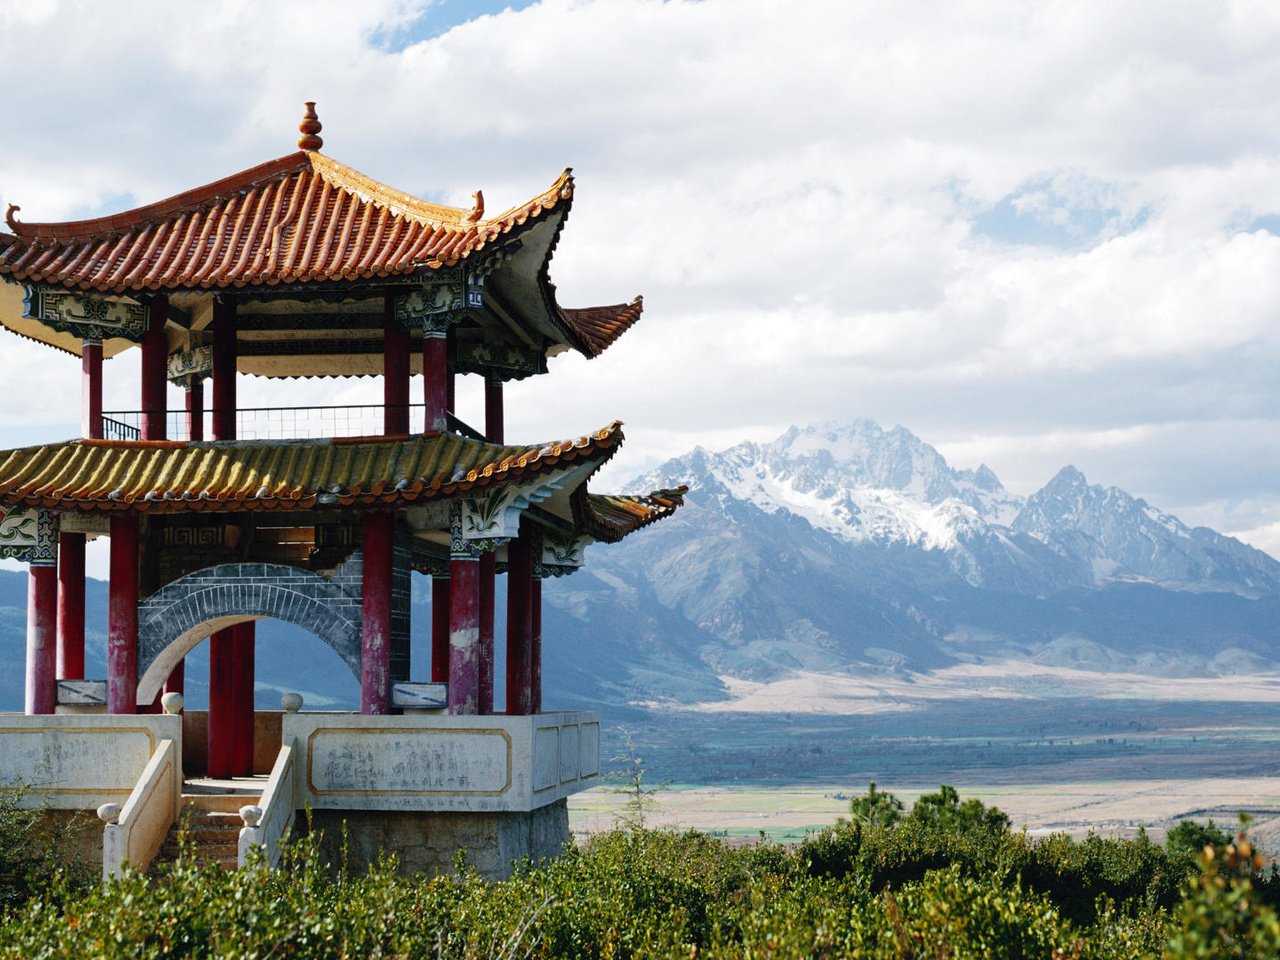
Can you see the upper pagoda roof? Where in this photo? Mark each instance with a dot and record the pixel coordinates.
(301, 218)
(305, 226)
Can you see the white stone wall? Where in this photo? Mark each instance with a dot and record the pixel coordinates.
(81, 762)
(466, 764)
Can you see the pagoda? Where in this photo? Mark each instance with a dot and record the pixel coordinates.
(219, 515)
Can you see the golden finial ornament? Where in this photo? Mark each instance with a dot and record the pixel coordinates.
(310, 127)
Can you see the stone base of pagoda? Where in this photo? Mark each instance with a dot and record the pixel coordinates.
(429, 842)
(424, 786)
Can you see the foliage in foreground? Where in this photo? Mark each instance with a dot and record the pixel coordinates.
(36, 853)
(947, 881)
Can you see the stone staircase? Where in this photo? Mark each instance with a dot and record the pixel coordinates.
(210, 822)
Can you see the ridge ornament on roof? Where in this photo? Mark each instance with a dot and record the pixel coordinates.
(310, 129)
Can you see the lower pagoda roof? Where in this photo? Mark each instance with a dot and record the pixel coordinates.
(179, 477)
(163, 476)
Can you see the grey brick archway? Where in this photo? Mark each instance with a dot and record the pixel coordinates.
(173, 620)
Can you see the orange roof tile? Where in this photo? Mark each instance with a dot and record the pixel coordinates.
(299, 219)
(610, 517)
(599, 327)
(177, 476)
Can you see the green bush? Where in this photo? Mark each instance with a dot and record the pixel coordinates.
(951, 883)
(36, 851)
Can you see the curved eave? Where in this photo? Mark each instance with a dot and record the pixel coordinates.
(610, 517)
(600, 327)
(300, 220)
(98, 476)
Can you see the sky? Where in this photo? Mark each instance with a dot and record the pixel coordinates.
(1034, 233)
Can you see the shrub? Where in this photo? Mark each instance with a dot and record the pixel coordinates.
(36, 850)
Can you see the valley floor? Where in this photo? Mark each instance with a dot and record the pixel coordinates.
(1110, 807)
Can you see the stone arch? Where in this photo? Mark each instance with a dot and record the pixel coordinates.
(174, 619)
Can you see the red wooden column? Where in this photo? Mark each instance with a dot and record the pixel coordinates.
(242, 663)
(42, 620)
(395, 371)
(435, 380)
(91, 389)
(224, 370)
(464, 634)
(122, 616)
(375, 648)
(439, 629)
(221, 760)
(493, 431)
(494, 419)
(195, 408)
(519, 624)
(222, 645)
(155, 360)
(485, 595)
(535, 645)
(71, 606)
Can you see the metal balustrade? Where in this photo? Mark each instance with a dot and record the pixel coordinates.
(280, 423)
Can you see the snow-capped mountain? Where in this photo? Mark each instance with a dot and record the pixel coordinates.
(870, 486)
(851, 550)
(1113, 536)
(863, 483)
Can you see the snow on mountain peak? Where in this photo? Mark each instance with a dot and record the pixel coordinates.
(861, 483)
(870, 486)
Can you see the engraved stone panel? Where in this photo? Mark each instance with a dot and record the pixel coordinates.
(74, 762)
(408, 761)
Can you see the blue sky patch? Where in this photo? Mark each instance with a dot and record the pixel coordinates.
(439, 17)
(1269, 222)
(1065, 212)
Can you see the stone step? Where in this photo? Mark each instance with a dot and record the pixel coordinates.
(208, 829)
(221, 850)
(219, 803)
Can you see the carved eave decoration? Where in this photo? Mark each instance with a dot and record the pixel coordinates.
(29, 535)
(61, 319)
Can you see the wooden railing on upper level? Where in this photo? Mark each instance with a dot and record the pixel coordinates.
(280, 423)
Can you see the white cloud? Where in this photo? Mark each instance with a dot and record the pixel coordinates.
(797, 189)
